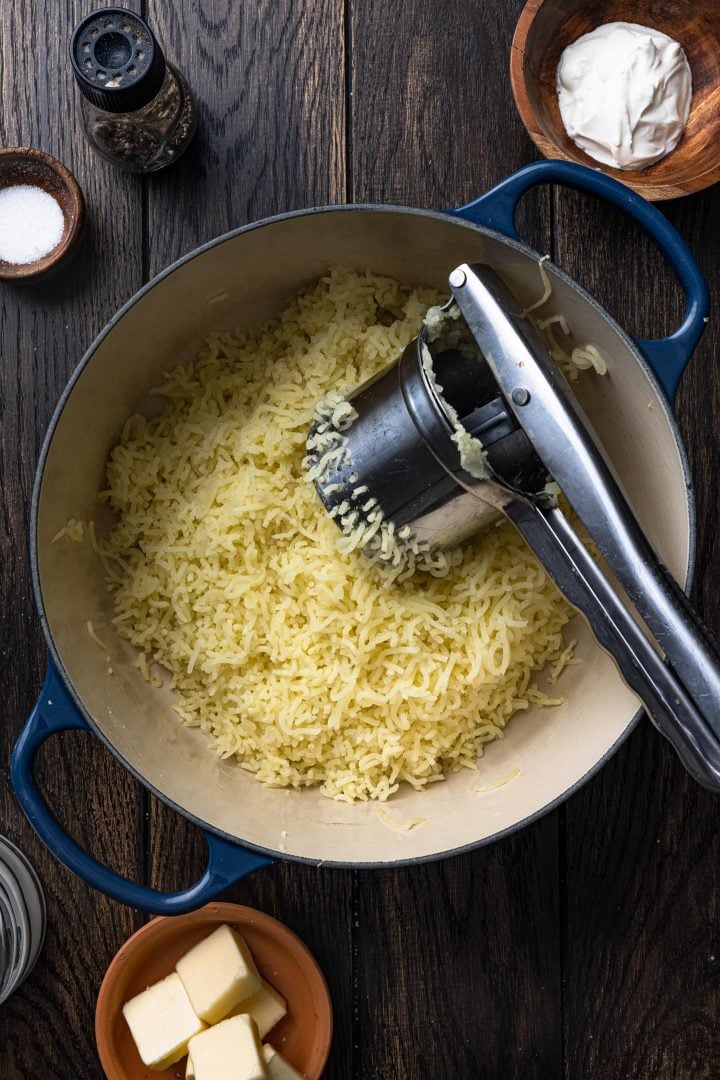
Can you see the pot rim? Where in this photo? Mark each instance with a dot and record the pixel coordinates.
(443, 215)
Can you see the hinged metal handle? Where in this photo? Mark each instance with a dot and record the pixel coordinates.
(557, 546)
(684, 694)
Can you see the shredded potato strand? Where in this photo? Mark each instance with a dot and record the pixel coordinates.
(580, 358)
(292, 651)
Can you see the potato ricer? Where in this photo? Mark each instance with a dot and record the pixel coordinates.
(449, 437)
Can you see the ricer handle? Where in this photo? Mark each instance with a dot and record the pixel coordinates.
(562, 437)
(689, 725)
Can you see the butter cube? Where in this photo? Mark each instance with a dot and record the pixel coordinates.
(229, 1051)
(189, 1069)
(162, 1021)
(278, 1068)
(218, 974)
(266, 1007)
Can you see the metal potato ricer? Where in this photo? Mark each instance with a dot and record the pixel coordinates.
(449, 436)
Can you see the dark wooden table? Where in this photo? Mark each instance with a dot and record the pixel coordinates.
(587, 945)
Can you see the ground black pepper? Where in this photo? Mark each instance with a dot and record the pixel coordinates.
(138, 111)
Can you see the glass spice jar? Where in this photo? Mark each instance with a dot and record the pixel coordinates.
(138, 111)
(23, 918)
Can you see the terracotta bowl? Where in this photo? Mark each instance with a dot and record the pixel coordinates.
(547, 27)
(303, 1036)
(24, 165)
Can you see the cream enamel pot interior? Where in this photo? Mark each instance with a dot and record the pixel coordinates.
(248, 276)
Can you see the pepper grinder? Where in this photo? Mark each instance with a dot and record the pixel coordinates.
(137, 109)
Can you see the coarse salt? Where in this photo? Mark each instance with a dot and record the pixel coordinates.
(31, 223)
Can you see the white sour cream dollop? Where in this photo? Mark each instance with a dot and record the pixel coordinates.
(624, 92)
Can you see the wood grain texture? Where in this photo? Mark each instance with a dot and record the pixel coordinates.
(432, 120)
(458, 964)
(585, 946)
(47, 1027)
(642, 846)
(269, 80)
(457, 968)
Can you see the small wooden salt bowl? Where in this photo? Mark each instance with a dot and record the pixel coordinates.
(547, 27)
(25, 165)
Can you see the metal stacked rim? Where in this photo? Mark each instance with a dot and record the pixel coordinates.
(23, 918)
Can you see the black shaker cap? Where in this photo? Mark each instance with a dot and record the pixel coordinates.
(117, 62)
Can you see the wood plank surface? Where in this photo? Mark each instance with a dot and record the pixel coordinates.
(584, 946)
(47, 1028)
(433, 125)
(642, 843)
(269, 80)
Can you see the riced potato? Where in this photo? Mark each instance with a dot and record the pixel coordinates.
(304, 661)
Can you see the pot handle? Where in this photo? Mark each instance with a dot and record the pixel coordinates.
(55, 711)
(667, 356)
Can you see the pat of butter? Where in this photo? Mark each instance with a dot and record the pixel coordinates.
(278, 1068)
(162, 1021)
(229, 1051)
(218, 974)
(266, 1007)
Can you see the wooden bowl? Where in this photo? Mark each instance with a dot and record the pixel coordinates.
(303, 1036)
(547, 27)
(24, 165)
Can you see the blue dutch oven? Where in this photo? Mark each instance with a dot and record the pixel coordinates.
(249, 275)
